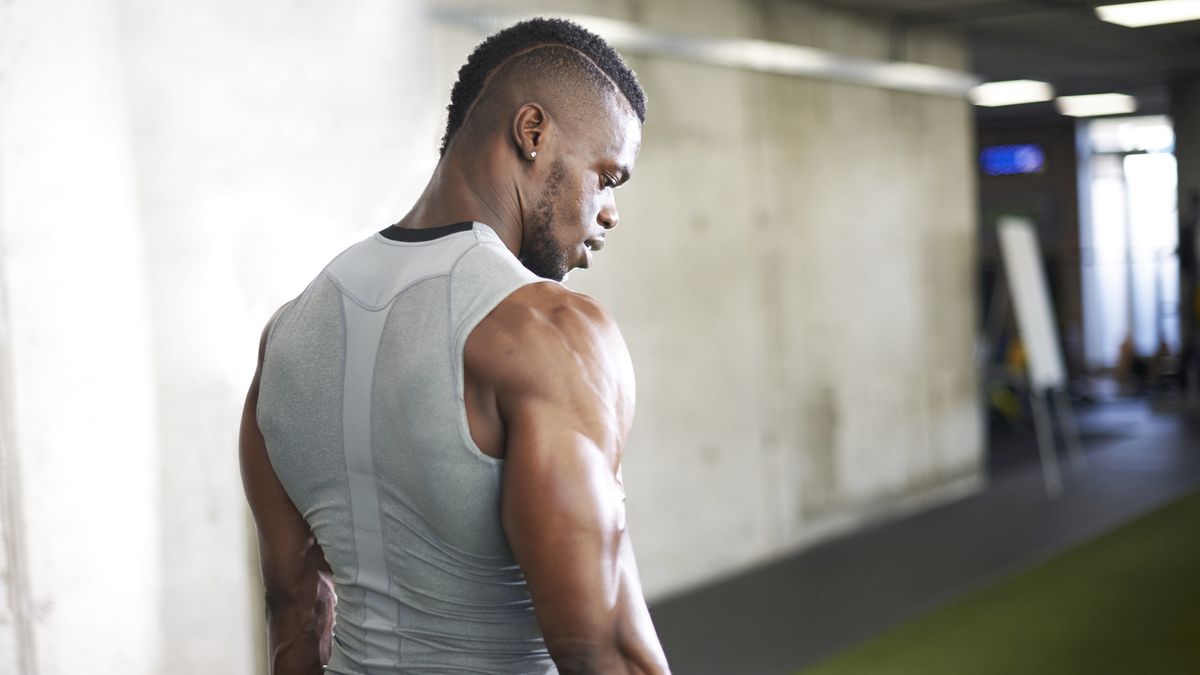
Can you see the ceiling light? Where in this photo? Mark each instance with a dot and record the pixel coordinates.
(1138, 14)
(1011, 92)
(1093, 105)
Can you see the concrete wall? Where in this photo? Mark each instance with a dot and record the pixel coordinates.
(169, 174)
(80, 504)
(793, 275)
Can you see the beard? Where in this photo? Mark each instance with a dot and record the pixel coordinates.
(540, 253)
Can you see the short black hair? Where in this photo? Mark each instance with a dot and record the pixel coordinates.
(499, 47)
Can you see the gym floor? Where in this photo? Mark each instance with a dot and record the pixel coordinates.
(783, 617)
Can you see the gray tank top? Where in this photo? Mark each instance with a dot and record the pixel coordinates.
(361, 406)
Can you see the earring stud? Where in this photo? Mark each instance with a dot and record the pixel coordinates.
(533, 154)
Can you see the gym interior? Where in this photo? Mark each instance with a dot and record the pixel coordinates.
(910, 288)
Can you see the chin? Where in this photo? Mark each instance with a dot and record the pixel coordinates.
(555, 275)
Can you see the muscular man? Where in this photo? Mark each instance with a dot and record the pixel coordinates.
(435, 430)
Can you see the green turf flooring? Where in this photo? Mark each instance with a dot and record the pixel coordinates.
(1126, 603)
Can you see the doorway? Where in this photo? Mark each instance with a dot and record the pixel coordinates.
(1128, 242)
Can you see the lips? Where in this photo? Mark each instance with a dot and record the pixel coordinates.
(589, 247)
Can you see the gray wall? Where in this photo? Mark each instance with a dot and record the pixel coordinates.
(792, 273)
(169, 174)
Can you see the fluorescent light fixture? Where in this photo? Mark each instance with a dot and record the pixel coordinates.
(1011, 92)
(1138, 14)
(1093, 105)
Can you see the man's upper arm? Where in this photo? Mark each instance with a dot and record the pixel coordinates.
(565, 393)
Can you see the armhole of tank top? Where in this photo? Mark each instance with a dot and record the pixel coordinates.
(458, 345)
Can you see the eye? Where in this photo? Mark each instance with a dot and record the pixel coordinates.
(607, 181)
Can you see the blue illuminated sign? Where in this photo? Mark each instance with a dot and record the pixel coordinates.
(1007, 160)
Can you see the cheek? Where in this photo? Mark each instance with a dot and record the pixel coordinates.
(592, 201)
(579, 205)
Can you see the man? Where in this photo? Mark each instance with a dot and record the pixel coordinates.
(434, 432)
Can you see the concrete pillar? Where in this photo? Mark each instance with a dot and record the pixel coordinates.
(271, 137)
(169, 174)
(82, 578)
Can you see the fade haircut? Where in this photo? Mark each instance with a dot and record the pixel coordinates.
(576, 48)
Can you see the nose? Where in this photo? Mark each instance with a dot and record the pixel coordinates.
(608, 217)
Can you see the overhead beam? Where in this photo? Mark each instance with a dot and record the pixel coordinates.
(762, 56)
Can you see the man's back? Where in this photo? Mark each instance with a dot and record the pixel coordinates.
(386, 395)
(361, 407)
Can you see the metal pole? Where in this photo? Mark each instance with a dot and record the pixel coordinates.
(1070, 430)
(1045, 441)
(997, 311)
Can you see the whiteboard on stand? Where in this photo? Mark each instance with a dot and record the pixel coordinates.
(1031, 300)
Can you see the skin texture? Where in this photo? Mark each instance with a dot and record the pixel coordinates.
(556, 370)
(548, 387)
(541, 254)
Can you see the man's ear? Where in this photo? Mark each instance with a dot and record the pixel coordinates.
(530, 125)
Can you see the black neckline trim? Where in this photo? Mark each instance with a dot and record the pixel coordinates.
(426, 233)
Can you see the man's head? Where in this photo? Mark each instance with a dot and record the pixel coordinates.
(565, 113)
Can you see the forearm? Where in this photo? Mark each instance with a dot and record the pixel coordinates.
(608, 660)
(628, 644)
(299, 633)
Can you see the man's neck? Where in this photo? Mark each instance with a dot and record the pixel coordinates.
(462, 191)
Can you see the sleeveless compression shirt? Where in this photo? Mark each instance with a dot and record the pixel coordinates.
(361, 406)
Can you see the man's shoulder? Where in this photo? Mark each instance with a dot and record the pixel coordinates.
(543, 325)
(548, 311)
